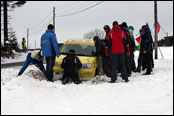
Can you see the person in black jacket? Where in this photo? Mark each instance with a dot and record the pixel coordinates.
(101, 51)
(128, 43)
(140, 57)
(71, 63)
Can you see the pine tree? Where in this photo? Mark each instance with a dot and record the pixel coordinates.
(13, 41)
(8, 5)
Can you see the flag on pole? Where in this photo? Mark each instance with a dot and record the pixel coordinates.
(138, 39)
(148, 28)
(158, 27)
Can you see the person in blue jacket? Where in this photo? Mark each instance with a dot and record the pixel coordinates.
(35, 58)
(146, 43)
(50, 50)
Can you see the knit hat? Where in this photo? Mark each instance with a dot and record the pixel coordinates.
(114, 23)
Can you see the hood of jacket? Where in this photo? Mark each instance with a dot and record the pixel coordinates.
(116, 28)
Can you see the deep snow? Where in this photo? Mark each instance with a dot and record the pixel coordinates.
(143, 95)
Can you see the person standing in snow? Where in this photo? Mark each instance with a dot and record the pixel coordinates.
(108, 56)
(50, 50)
(128, 43)
(140, 57)
(100, 51)
(146, 42)
(132, 48)
(24, 45)
(117, 52)
(35, 58)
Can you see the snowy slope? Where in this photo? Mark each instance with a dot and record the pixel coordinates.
(142, 95)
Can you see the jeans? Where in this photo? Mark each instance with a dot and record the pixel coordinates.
(49, 67)
(30, 60)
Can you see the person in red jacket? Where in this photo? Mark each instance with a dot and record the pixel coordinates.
(116, 37)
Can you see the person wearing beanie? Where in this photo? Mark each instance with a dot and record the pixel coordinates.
(50, 50)
(131, 40)
(147, 49)
(140, 57)
(71, 63)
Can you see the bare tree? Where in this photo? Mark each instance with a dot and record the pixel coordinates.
(96, 32)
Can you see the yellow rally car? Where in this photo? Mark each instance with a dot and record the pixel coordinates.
(84, 49)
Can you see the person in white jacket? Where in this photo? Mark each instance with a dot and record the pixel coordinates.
(35, 58)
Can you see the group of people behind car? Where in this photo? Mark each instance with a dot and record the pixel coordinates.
(116, 50)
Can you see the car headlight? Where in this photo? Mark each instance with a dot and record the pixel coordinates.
(56, 64)
(86, 66)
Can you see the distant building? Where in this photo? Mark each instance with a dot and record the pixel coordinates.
(169, 41)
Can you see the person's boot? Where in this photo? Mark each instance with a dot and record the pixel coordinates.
(64, 82)
(112, 81)
(137, 70)
(50, 80)
(147, 73)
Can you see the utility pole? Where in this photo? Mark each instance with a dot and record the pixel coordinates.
(35, 44)
(5, 23)
(156, 34)
(54, 14)
(27, 38)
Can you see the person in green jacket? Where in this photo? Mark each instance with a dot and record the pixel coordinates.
(131, 45)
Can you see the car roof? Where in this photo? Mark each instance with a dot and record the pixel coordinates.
(81, 41)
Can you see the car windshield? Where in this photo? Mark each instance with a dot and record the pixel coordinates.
(80, 50)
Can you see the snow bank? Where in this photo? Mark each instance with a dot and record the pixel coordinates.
(144, 95)
(19, 57)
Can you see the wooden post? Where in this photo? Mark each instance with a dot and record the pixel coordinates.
(5, 23)
(156, 33)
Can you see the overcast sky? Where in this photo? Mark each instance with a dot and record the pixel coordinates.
(36, 15)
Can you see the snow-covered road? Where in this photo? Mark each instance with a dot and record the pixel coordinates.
(143, 95)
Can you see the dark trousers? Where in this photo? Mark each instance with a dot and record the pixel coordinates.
(152, 61)
(140, 61)
(24, 49)
(132, 62)
(147, 59)
(145, 62)
(118, 59)
(74, 76)
(49, 67)
(106, 65)
(128, 64)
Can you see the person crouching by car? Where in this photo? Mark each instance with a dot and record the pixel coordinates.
(35, 58)
(71, 63)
